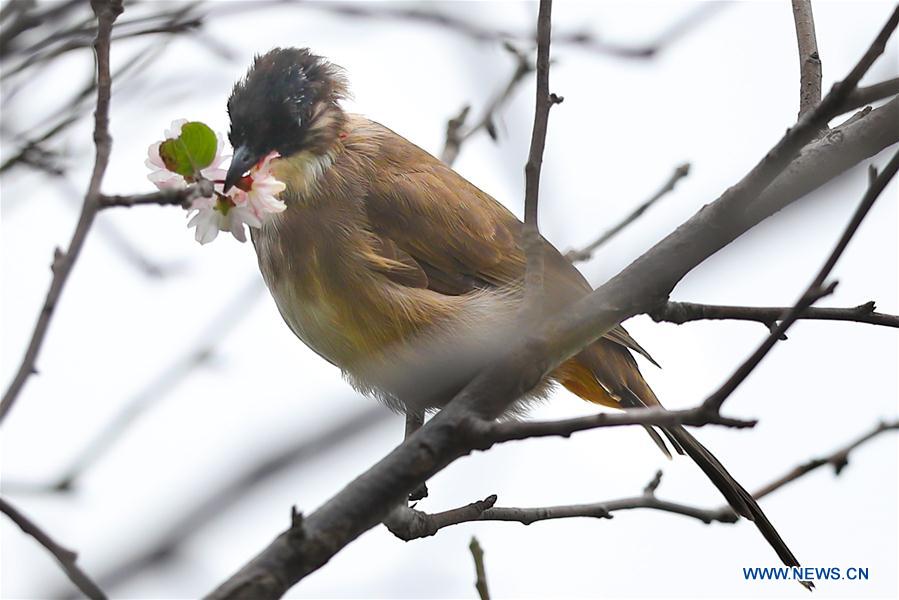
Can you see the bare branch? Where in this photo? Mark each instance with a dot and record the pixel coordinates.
(456, 137)
(410, 524)
(809, 60)
(838, 459)
(530, 233)
(815, 290)
(106, 13)
(66, 558)
(685, 312)
(170, 197)
(480, 584)
(586, 253)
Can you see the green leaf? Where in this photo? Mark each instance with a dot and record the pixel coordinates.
(191, 151)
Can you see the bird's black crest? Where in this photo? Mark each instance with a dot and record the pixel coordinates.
(276, 105)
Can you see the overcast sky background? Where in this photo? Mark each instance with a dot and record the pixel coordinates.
(718, 98)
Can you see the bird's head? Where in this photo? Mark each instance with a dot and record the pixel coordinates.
(288, 102)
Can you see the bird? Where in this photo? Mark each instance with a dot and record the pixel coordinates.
(386, 262)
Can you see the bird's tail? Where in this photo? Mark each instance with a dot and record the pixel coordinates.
(623, 386)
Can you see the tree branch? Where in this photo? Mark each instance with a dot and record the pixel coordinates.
(838, 459)
(866, 95)
(106, 13)
(456, 137)
(66, 558)
(530, 234)
(586, 253)
(809, 60)
(489, 433)
(172, 197)
(685, 312)
(480, 584)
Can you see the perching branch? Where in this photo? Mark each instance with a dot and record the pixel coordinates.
(784, 174)
(66, 558)
(809, 60)
(586, 253)
(530, 233)
(106, 13)
(685, 312)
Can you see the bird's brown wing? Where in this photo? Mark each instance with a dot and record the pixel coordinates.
(461, 238)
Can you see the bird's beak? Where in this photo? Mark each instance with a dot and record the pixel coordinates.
(241, 162)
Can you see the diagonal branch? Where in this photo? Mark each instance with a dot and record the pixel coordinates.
(809, 60)
(106, 13)
(586, 253)
(66, 558)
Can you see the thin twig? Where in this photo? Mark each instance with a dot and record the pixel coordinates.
(586, 253)
(480, 583)
(106, 13)
(838, 459)
(809, 60)
(531, 241)
(489, 433)
(457, 134)
(813, 292)
(685, 312)
(66, 558)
